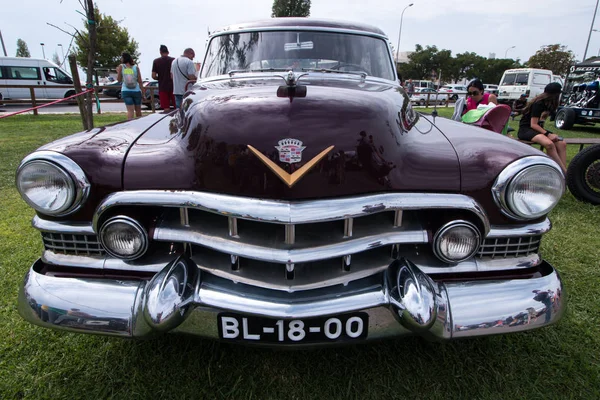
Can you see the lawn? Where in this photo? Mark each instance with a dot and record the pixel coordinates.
(559, 362)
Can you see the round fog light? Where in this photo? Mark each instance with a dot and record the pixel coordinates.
(124, 237)
(456, 241)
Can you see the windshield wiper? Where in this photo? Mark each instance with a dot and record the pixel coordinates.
(335, 71)
(240, 71)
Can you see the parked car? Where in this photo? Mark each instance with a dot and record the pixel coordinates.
(456, 90)
(426, 96)
(286, 203)
(112, 90)
(55, 82)
(528, 81)
(149, 98)
(491, 89)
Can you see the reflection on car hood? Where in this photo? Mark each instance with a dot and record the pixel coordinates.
(205, 147)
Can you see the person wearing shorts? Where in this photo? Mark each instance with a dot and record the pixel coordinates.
(531, 125)
(131, 96)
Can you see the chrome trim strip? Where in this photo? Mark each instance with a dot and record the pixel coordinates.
(287, 256)
(398, 219)
(503, 181)
(348, 225)
(72, 228)
(523, 230)
(66, 260)
(82, 185)
(293, 212)
(233, 227)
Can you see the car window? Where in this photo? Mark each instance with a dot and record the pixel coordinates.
(522, 79)
(541, 79)
(32, 73)
(298, 50)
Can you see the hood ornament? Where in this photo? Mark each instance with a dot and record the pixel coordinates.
(290, 151)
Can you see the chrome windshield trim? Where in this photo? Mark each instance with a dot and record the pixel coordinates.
(74, 228)
(523, 230)
(299, 28)
(291, 212)
(285, 256)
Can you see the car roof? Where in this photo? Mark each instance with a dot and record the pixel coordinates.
(299, 23)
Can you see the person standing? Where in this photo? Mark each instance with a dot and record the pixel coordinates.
(410, 87)
(161, 71)
(131, 89)
(182, 71)
(531, 125)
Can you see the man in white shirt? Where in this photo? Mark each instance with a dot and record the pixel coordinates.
(182, 71)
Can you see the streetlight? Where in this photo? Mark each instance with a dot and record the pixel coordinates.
(400, 32)
(506, 52)
(43, 52)
(63, 54)
(591, 29)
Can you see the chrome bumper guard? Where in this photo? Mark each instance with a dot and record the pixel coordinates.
(402, 300)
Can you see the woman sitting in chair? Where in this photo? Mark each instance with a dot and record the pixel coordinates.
(476, 95)
(531, 124)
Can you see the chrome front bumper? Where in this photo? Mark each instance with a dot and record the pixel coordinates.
(399, 301)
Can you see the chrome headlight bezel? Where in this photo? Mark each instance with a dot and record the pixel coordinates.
(72, 172)
(504, 181)
(452, 225)
(131, 223)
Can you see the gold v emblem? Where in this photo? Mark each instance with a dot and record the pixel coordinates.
(288, 179)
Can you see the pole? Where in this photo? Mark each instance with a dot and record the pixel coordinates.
(400, 32)
(43, 52)
(77, 83)
(63, 54)
(3, 47)
(590, 34)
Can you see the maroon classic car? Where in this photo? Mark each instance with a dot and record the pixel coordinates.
(296, 198)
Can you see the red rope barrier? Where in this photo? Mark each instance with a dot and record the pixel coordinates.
(46, 105)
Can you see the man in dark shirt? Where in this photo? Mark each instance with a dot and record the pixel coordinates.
(161, 71)
(519, 105)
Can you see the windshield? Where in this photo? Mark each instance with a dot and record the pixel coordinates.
(298, 50)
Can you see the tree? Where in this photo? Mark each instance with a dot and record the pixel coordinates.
(111, 41)
(22, 49)
(553, 57)
(291, 8)
(427, 63)
(56, 58)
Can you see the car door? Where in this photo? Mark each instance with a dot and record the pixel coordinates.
(56, 82)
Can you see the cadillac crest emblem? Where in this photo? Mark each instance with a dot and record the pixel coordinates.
(290, 150)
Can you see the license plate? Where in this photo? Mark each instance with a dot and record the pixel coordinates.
(341, 328)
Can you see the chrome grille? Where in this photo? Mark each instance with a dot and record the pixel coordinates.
(509, 246)
(72, 244)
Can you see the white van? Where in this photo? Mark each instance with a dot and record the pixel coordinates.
(530, 81)
(15, 71)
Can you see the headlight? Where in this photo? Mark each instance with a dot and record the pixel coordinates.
(456, 241)
(123, 237)
(529, 188)
(52, 183)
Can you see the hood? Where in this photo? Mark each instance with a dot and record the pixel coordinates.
(376, 146)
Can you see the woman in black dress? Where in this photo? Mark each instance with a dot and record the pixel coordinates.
(532, 128)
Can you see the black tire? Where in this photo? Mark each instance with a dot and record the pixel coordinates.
(565, 118)
(583, 175)
(454, 97)
(69, 94)
(422, 102)
(119, 95)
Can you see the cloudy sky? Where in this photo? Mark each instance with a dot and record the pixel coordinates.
(481, 26)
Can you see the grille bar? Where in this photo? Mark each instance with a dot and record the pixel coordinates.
(509, 246)
(66, 243)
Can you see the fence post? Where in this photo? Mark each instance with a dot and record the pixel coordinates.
(77, 84)
(33, 102)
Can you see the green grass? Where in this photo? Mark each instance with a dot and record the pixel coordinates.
(558, 362)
